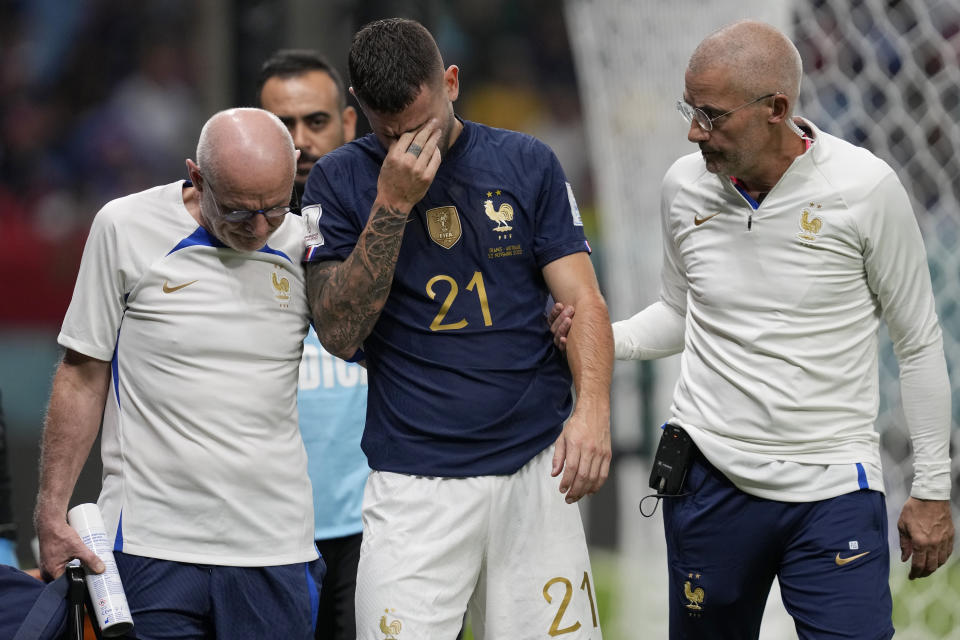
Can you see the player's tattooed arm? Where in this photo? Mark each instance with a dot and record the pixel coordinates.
(346, 298)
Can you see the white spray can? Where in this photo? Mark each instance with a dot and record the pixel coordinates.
(106, 591)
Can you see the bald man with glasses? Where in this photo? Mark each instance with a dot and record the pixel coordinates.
(184, 333)
(784, 247)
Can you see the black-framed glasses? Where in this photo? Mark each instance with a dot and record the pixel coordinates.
(243, 215)
(691, 113)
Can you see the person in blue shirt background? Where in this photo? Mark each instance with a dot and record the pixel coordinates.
(332, 401)
(306, 93)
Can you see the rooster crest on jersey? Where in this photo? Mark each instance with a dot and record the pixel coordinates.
(390, 629)
(694, 595)
(443, 224)
(501, 215)
(282, 286)
(810, 224)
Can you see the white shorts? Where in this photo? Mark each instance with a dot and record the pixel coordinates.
(508, 547)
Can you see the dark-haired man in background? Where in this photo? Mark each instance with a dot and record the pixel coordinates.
(306, 92)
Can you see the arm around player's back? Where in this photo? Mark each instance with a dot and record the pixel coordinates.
(80, 388)
(583, 449)
(346, 298)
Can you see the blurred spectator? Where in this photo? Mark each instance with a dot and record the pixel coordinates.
(97, 104)
(100, 101)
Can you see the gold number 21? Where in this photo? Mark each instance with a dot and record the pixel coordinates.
(476, 282)
(555, 629)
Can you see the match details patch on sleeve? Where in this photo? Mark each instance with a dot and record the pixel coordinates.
(574, 209)
(311, 218)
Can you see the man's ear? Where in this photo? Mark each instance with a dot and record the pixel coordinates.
(193, 172)
(781, 108)
(349, 117)
(451, 82)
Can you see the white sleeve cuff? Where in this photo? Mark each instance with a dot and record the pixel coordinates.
(655, 332)
(931, 480)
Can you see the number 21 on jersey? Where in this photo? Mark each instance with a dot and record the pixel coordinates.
(475, 285)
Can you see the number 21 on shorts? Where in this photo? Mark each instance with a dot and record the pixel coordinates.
(561, 588)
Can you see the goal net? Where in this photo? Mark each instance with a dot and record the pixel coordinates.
(883, 74)
(886, 75)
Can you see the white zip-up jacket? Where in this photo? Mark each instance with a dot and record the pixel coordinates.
(776, 308)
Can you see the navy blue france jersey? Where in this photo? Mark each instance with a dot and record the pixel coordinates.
(464, 378)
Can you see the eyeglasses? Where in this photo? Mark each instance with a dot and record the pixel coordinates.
(691, 113)
(243, 215)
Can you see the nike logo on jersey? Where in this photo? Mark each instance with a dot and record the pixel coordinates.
(697, 220)
(842, 561)
(168, 289)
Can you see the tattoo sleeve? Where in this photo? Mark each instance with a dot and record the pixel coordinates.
(346, 298)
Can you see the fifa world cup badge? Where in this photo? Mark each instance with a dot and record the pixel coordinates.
(311, 219)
